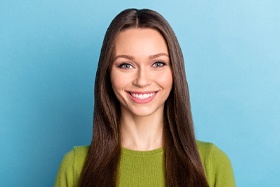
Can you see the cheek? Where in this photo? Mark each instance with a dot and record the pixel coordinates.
(118, 81)
(166, 80)
(114, 80)
(116, 84)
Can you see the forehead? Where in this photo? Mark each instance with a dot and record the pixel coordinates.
(139, 41)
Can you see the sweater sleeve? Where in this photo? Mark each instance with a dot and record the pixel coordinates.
(220, 168)
(65, 175)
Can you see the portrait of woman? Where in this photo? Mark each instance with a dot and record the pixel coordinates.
(139, 93)
(143, 132)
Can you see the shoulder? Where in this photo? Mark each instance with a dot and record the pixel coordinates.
(79, 152)
(209, 150)
(216, 164)
(76, 157)
(71, 166)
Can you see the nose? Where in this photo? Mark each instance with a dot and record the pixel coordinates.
(142, 78)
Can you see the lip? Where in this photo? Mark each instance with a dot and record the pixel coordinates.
(143, 100)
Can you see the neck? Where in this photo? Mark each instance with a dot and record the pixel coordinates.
(141, 133)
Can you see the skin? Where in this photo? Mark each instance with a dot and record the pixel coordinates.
(141, 78)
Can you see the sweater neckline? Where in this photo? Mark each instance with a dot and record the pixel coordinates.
(142, 153)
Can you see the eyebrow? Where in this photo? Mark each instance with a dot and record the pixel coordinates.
(158, 55)
(150, 57)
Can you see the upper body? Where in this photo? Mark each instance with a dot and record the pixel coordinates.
(145, 168)
(142, 106)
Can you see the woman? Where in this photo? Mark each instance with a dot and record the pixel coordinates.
(143, 131)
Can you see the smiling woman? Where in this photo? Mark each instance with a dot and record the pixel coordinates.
(143, 131)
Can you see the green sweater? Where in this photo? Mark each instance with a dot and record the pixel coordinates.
(145, 168)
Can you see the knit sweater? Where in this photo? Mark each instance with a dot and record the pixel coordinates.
(146, 169)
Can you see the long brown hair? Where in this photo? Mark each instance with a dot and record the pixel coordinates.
(182, 161)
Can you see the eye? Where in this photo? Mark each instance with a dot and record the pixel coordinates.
(159, 64)
(125, 66)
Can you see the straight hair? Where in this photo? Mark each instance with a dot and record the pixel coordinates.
(182, 164)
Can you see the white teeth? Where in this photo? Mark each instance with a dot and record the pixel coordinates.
(142, 96)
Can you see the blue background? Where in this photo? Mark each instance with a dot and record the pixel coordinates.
(48, 56)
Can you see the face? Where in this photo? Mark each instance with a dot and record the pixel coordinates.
(141, 73)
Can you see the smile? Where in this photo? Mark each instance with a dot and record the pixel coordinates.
(142, 96)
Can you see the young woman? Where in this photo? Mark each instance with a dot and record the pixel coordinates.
(143, 131)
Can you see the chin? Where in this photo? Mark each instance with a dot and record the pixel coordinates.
(145, 113)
